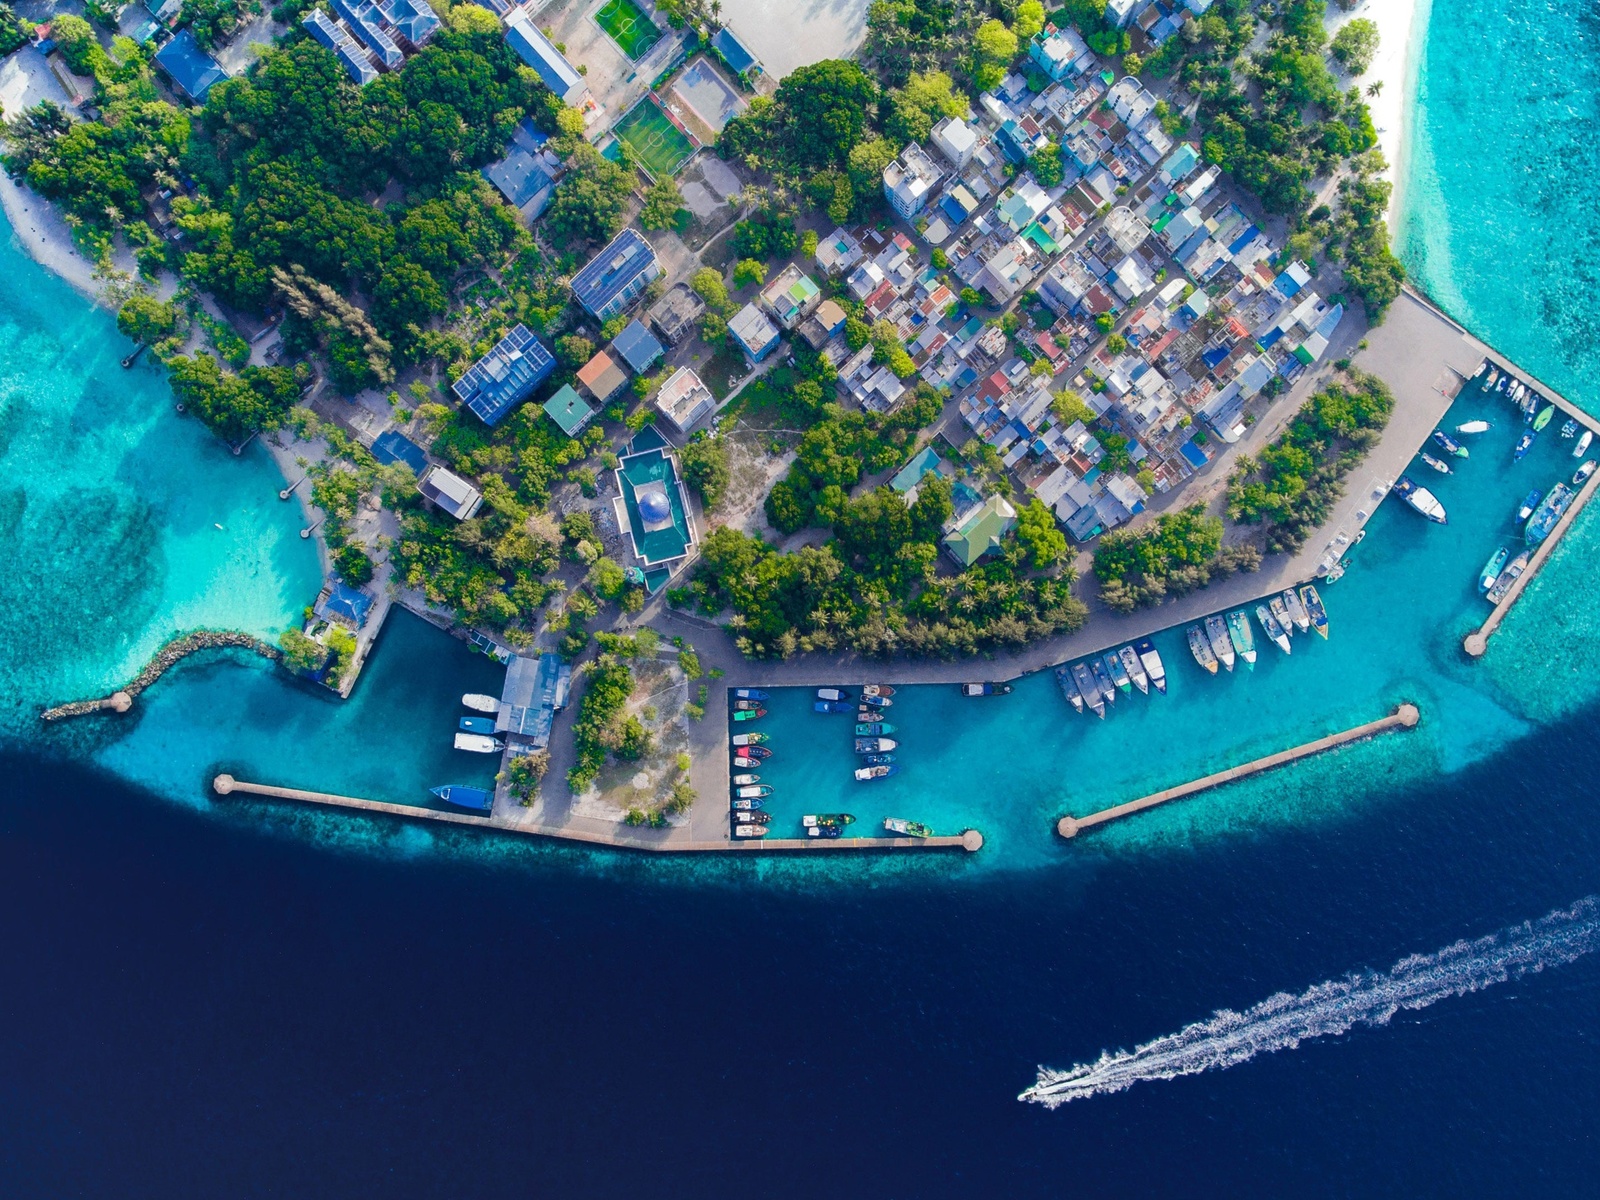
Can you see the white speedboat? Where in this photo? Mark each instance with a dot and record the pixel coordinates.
(478, 702)
(1584, 442)
(1297, 609)
(1421, 499)
(479, 743)
(1473, 427)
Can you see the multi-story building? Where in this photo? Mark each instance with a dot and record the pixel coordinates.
(613, 279)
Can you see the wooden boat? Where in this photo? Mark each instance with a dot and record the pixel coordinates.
(1275, 632)
(475, 725)
(1089, 690)
(1514, 568)
(749, 694)
(1201, 649)
(1151, 660)
(478, 743)
(749, 714)
(877, 689)
(1118, 673)
(1102, 680)
(742, 780)
(985, 689)
(1243, 640)
(749, 739)
(866, 774)
(1069, 689)
(1280, 610)
(1297, 610)
(1313, 603)
(1134, 668)
(904, 828)
(873, 729)
(1221, 643)
(875, 745)
(478, 702)
(1492, 569)
(752, 792)
(750, 831)
(832, 694)
(460, 795)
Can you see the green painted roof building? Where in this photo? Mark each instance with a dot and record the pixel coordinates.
(569, 410)
(653, 506)
(981, 531)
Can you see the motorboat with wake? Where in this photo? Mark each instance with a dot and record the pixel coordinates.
(1150, 659)
(1200, 647)
(1420, 499)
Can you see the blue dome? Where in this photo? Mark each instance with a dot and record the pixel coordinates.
(653, 506)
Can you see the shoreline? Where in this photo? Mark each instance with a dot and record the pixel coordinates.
(37, 227)
(1402, 30)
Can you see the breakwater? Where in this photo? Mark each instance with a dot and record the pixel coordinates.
(1404, 717)
(160, 663)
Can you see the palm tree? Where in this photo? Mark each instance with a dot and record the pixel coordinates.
(1374, 88)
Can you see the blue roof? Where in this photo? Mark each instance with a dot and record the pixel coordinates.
(393, 446)
(638, 346)
(1195, 455)
(613, 270)
(350, 603)
(192, 71)
(1243, 240)
(506, 376)
(365, 21)
(732, 49)
(1215, 355)
(520, 176)
(533, 48)
(345, 48)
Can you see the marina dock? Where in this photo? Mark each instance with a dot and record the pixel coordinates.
(226, 785)
(1404, 717)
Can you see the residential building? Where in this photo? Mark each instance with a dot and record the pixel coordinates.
(875, 388)
(1129, 100)
(506, 376)
(675, 313)
(908, 479)
(838, 252)
(753, 331)
(909, 181)
(527, 175)
(366, 22)
(450, 492)
(569, 410)
(352, 57)
(548, 63)
(956, 140)
(192, 71)
(1061, 53)
(1120, 12)
(602, 377)
(825, 321)
(637, 347)
(790, 296)
(980, 531)
(615, 277)
(684, 400)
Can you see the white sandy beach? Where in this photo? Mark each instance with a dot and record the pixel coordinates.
(1402, 26)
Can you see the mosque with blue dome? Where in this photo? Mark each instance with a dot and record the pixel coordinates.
(653, 507)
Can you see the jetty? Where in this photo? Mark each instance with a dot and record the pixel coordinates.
(1404, 717)
(164, 659)
(226, 785)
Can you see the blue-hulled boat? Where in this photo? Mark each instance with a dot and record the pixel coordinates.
(459, 795)
(1529, 503)
(475, 725)
(832, 706)
(1523, 443)
(749, 694)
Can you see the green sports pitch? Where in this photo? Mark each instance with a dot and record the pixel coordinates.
(656, 142)
(628, 27)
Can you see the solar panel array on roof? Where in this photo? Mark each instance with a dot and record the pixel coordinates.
(365, 22)
(506, 376)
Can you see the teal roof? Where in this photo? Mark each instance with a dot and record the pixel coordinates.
(925, 462)
(673, 540)
(568, 410)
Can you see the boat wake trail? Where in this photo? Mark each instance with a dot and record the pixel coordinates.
(1372, 998)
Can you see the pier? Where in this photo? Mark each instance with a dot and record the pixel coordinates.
(1404, 717)
(226, 785)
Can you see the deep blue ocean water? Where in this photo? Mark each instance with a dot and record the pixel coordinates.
(235, 999)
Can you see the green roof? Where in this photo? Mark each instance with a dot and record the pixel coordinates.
(1035, 233)
(568, 410)
(926, 461)
(981, 531)
(671, 541)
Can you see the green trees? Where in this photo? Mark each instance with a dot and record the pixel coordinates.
(818, 114)
(1047, 166)
(353, 563)
(1176, 553)
(662, 204)
(994, 47)
(78, 43)
(601, 726)
(211, 21)
(234, 406)
(301, 654)
(914, 109)
(749, 270)
(706, 469)
(590, 203)
(1355, 45)
(1036, 530)
(1068, 407)
(146, 319)
(14, 31)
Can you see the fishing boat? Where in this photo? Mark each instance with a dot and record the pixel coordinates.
(479, 743)
(1492, 568)
(749, 714)
(752, 816)
(877, 689)
(1244, 642)
(985, 689)
(1543, 419)
(1583, 472)
(1513, 570)
(1069, 689)
(876, 701)
(832, 694)
(741, 780)
(745, 761)
(1494, 378)
(1420, 499)
(1529, 503)
(1102, 680)
(875, 745)
(1118, 672)
(874, 729)
(815, 820)
(831, 706)
(475, 725)
(1501, 386)
(1448, 444)
(1438, 465)
(1297, 610)
(459, 795)
(747, 805)
(1280, 610)
(750, 831)
(877, 760)
(825, 831)
(1201, 649)
(746, 705)
(752, 792)
(749, 694)
(865, 774)
(907, 828)
(478, 702)
(1134, 668)
(1089, 690)
(1314, 609)
(1474, 427)
(1153, 666)
(1584, 442)
(1548, 513)
(749, 739)
(1221, 643)
(756, 752)
(1270, 623)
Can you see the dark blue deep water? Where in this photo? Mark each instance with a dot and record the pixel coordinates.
(194, 1009)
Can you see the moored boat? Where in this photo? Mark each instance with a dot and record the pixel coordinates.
(1089, 690)
(747, 805)
(906, 828)
(877, 760)
(1482, 367)
(1448, 444)
(985, 689)
(1583, 445)
(1279, 609)
(876, 701)
(756, 752)
(478, 743)
(1134, 668)
(1428, 459)
(1523, 443)
(1513, 570)
(874, 729)
(1544, 416)
(812, 820)
(1103, 681)
(750, 831)
(742, 780)
(1548, 513)
(1153, 666)
(1492, 569)
(1297, 610)
(832, 694)
(1529, 503)
(478, 702)
(1569, 428)
(866, 774)
(1313, 602)
(1494, 378)
(1118, 672)
(1221, 643)
(749, 694)
(745, 762)
(475, 725)
(752, 816)
(746, 705)
(460, 795)
(825, 831)
(831, 706)
(752, 792)
(1583, 472)
(1420, 499)
(749, 714)
(1201, 649)
(1473, 427)
(877, 689)
(1244, 642)
(749, 739)
(1280, 639)
(875, 745)
(1069, 689)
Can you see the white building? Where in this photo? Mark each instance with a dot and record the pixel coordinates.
(909, 181)
(956, 140)
(450, 492)
(684, 400)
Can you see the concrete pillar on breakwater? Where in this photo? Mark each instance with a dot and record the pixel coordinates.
(1404, 717)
